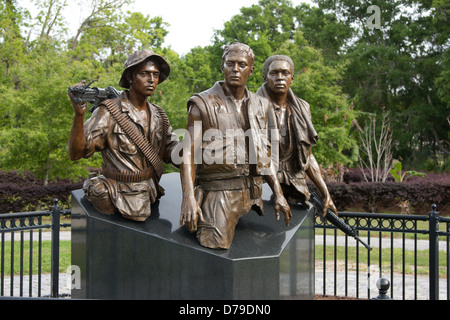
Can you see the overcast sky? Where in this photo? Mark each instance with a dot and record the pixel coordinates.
(192, 22)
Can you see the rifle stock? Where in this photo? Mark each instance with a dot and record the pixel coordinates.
(335, 220)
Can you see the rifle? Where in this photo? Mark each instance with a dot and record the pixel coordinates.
(335, 220)
(94, 95)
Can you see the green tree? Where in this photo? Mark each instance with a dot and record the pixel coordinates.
(174, 93)
(202, 68)
(102, 15)
(272, 28)
(264, 27)
(36, 114)
(324, 31)
(400, 67)
(12, 47)
(49, 19)
(35, 137)
(333, 116)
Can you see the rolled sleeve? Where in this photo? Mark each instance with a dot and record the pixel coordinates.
(95, 131)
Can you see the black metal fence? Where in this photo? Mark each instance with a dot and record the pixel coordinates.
(25, 266)
(406, 250)
(412, 251)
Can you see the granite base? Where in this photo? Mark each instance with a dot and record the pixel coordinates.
(158, 259)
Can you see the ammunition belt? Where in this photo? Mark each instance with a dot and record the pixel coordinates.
(253, 184)
(136, 136)
(128, 177)
(239, 183)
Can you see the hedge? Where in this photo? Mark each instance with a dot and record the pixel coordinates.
(377, 196)
(22, 192)
(421, 193)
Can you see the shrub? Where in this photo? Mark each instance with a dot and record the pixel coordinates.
(23, 192)
(421, 192)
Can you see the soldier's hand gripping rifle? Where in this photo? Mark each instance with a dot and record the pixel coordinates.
(335, 220)
(94, 95)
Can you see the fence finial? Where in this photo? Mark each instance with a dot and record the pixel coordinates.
(383, 286)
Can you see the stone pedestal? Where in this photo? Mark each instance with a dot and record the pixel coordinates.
(158, 259)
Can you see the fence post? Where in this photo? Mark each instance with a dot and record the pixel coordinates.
(434, 253)
(54, 281)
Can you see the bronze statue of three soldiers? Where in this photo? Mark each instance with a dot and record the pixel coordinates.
(237, 141)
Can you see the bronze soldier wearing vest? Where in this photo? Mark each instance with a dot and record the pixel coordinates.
(133, 136)
(222, 175)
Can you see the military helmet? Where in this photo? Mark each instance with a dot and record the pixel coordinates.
(140, 56)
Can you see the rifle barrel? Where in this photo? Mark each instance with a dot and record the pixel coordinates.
(336, 221)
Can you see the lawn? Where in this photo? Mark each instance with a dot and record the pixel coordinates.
(341, 256)
(64, 255)
(386, 263)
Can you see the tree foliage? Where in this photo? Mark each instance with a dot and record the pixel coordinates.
(401, 67)
(344, 69)
(274, 27)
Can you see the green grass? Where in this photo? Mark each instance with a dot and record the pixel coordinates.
(397, 263)
(422, 258)
(363, 256)
(64, 255)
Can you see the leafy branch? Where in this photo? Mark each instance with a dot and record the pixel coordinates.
(400, 176)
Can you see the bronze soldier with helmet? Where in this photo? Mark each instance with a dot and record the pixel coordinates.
(133, 136)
